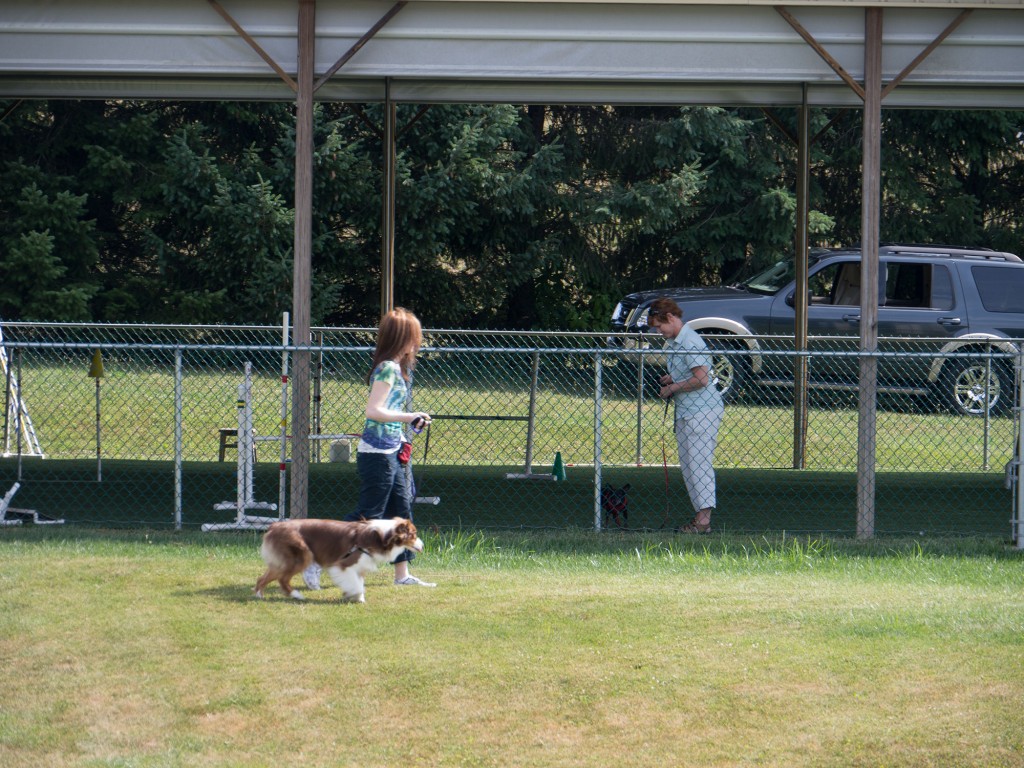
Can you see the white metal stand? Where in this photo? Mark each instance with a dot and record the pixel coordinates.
(245, 499)
(19, 432)
(21, 515)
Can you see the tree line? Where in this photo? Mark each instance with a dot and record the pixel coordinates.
(508, 216)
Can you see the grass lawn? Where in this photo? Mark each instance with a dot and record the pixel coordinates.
(536, 649)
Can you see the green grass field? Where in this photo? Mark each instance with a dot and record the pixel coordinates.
(536, 649)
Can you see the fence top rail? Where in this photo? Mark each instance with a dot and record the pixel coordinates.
(192, 336)
(546, 351)
(143, 327)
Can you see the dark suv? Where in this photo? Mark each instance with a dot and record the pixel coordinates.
(961, 300)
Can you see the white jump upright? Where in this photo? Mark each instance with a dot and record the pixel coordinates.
(245, 499)
(5, 502)
(19, 434)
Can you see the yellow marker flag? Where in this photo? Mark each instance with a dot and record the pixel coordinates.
(96, 369)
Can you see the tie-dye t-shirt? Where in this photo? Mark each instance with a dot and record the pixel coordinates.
(386, 436)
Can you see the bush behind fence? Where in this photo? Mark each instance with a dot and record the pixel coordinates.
(505, 405)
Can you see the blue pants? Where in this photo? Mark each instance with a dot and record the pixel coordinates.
(383, 491)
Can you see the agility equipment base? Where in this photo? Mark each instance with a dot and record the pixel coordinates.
(12, 516)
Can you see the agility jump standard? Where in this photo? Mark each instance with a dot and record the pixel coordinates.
(245, 499)
(16, 418)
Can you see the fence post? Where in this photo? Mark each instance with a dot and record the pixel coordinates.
(640, 410)
(282, 468)
(988, 408)
(318, 376)
(597, 441)
(17, 418)
(1016, 468)
(532, 413)
(177, 439)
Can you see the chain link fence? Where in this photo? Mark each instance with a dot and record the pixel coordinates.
(148, 426)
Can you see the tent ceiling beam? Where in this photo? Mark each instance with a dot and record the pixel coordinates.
(819, 49)
(370, 33)
(289, 81)
(960, 19)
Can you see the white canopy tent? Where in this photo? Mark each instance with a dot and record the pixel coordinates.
(941, 54)
(565, 52)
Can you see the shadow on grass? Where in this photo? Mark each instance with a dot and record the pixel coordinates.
(234, 593)
(445, 543)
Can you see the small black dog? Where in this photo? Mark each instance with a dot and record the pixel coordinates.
(615, 504)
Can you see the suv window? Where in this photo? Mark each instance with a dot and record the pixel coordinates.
(1001, 288)
(942, 288)
(820, 284)
(772, 279)
(913, 284)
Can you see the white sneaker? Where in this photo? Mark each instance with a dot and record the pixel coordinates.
(412, 581)
(312, 576)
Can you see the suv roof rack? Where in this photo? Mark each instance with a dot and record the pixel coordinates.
(941, 251)
(952, 252)
(940, 246)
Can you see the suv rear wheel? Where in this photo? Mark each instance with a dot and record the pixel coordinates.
(964, 390)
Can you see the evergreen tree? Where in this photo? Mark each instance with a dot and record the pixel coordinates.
(507, 216)
(948, 176)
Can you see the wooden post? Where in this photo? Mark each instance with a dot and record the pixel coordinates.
(870, 217)
(299, 505)
(387, 256)
(800, 367)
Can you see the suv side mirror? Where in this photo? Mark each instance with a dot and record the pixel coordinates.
(791, 299)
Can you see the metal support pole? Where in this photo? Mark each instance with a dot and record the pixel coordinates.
(178, 495)
(640, 410)
(318, 377)
(99, 452)
(1016, 469)
(282, 467)
(598, 395)
(18, 417)
(987, 416)
(7, 400)
(531, 418)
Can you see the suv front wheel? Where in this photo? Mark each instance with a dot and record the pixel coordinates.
(971, 387)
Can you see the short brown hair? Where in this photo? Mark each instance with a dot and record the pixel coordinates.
(399, 337)
(660, 309)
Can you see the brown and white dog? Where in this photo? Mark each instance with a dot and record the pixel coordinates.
(345, 550)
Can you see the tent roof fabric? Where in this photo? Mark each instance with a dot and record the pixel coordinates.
(541, 52)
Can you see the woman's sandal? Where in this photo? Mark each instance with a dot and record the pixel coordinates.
(694, 527)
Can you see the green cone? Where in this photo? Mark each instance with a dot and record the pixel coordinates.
(558, 470)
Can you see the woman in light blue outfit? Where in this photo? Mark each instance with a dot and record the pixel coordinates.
(698, 407)
(384, 490)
